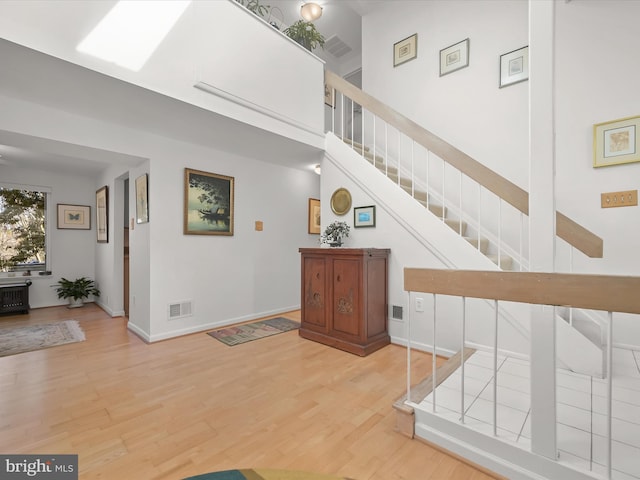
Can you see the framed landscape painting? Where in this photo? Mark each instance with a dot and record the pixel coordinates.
(208, 203)
(314, 216)
(405, 50)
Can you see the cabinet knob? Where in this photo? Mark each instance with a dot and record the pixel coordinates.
(338, 278)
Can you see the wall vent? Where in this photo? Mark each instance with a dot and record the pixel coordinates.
(397, 312)
(336, 47)
(180, 309)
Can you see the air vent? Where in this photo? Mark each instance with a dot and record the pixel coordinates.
(180, 309)
(336, 47)
(397, 312)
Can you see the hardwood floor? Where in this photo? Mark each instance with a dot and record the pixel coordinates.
(192, 405)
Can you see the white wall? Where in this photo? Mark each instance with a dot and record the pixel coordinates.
(595, 82)
(71, 253)
(247, 275)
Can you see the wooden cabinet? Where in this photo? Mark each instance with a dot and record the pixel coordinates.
(344, 298)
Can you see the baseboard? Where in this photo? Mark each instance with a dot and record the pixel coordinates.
(214, 325)
(138, 331)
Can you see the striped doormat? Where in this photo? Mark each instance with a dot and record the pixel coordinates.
(253, 331)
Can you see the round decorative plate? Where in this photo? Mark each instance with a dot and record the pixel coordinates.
(341, 201)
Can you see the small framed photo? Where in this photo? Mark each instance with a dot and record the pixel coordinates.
(514, 67)
(142, 199)
(616, 142)
(454, 57)
(74, 217)
(102, 214)
(314, 216)
(405, 50)
(208, 203)
(364, 216)
(329, 96)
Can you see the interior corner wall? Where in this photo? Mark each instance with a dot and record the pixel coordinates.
(466, 107)
(71, 252)
(235, 278)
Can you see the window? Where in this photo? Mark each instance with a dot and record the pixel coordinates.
(23, 228)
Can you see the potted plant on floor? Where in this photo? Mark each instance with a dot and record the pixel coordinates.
(305, 34)
(76, 290)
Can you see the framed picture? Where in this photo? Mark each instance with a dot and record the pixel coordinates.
(364, 216)
(142, 199)
(314, 216)
(616, 142)
(102, 214)
(329, 96)
(405, 50)
(454, 57)
(514, 67)
(74, 217)
(208, 203)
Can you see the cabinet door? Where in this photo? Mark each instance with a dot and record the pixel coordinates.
(347, 298)
(315, 293)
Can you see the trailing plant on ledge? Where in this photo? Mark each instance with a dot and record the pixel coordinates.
(305, 34)
(255, 6)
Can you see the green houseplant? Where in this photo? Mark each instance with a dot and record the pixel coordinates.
(334, 233)
(255, 6)
(76, 290)
(306, 34)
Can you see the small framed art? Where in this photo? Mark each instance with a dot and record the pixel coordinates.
(208, 203)
(514, 67)
(616, 142)
(314, 216)
(454, 57)
(102, 214)
(329, 96)
(405, 50)
(142, 199)
(364, 216)
(74, 217)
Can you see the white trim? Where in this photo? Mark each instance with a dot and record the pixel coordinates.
(208, 88)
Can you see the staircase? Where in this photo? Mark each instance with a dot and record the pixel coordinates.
(505, 262)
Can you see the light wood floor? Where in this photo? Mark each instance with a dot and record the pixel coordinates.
(191, 405)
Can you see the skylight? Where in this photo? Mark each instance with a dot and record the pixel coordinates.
(130, 33)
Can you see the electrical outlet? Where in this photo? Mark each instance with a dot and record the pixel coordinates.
(628, 198)
(419, 304)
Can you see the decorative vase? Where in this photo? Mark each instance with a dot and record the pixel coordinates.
(336, 243)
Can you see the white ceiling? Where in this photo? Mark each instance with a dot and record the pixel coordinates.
(28, 74)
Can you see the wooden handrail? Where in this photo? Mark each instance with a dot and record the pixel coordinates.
(574, 234)
(597, 292)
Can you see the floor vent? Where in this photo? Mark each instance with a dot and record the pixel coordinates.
(336, 47)
(180, 309)
(397, 312)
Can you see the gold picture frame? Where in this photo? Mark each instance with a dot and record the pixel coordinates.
(102, 215)
(208, 203)
(405, 50)
(616, 142)
(314, 216)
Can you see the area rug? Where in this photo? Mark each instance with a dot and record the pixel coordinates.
(264, 474)
(35, 337)
(253, 331)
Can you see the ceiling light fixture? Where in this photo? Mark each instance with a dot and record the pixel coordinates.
(311, 11)
(317, 169)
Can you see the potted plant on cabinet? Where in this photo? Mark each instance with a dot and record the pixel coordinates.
(306, 34)
(76, 290)
(334, 233)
